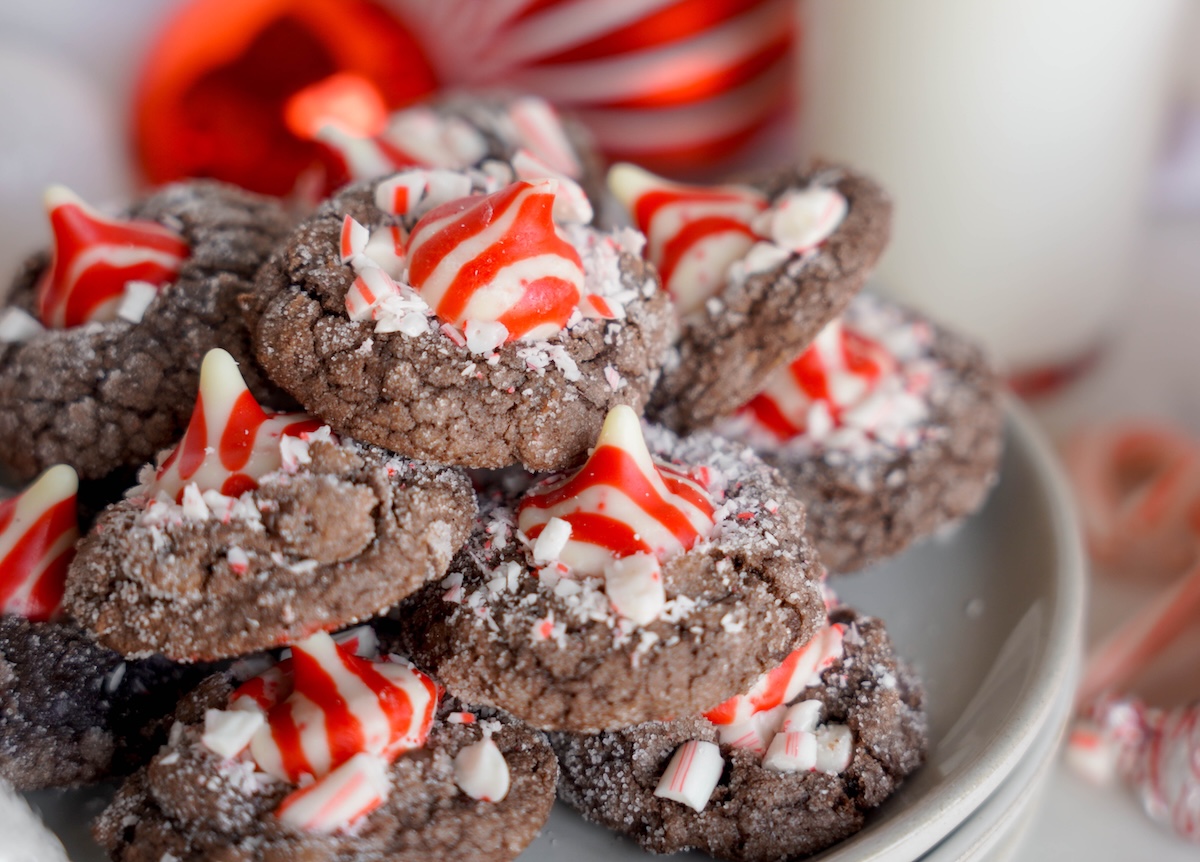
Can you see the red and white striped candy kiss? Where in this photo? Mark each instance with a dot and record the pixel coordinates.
(498, 258)
(620, 502)
(693, 233)
(782, 685)
(340, 705)
(95, 257)
(835, 373)
(231, 442)
(38, 532)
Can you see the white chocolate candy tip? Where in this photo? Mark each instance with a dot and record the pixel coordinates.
(55, 484)
(628, 182)
(481, 772)
(219, 372)
(622, 428)
(693, 774)
(58, 195)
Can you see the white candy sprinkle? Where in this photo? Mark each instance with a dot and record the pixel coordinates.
(136, 299)
(481, 772)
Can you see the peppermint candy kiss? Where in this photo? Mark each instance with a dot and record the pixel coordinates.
(38, 532)
(694, 233)
(95, 258)
(802, 668)
(231, 442)
(498, 258)
(620, 503)
(339, 706)
(837, 372)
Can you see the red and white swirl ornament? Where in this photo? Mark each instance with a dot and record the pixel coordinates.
(96, 258)
(694, 233)
(231, 442)
(811, 394)
(677, 83)
(498, 258)
(335, 705)
(38, 532)
(620, 503)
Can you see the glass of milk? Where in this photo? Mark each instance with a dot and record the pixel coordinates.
(1016, 137)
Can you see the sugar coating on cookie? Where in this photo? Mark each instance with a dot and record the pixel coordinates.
(462, 318)
(143, 297)
(467, 781)
(660, 577)
(757, 269)
(888, 427)
(844, 740)
(259, 528)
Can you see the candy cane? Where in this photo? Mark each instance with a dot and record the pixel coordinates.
(620, 503)
(95, 257)
(38, 532)
(231, 442)
(338, 800)
(692, 775)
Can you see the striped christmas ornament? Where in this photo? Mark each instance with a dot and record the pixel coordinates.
(231, 442)
(498, 258)
(96, 258)
(325, 705)
(693, 233)
(677, 85)
(620, 503)
(839, 370)
(38, 532)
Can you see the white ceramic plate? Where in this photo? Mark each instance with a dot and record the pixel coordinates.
(989, 614)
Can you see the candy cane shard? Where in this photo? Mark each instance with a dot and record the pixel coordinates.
(620, 503)
(498, 257)
(815, 391)
(95, 257)
(481, 772)
(339, 799)
(694, 233)
(228, 732)
(802, 219)
(634, 587)
(231, 442)
(339, 705)
(39, 529)
(692, 775)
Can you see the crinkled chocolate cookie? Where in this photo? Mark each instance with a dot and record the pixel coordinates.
(338, 324)
(856, 731)
(888, 428)
(628, 590)
(104, 395)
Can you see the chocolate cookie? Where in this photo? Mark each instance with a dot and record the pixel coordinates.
(869, 734)
(756, 270)
(257, 529)
(573, 611)
(352, 533)
(99, 396)
(192, 803)
(387, 371)
(915, 446)
(73, 713)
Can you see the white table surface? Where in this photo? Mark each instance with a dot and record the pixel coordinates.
(1151, 369)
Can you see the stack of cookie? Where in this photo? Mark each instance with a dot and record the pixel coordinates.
(424, 410)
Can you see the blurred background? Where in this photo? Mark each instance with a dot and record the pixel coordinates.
(1044, 156)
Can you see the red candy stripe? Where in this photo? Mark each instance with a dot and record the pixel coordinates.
(620, 502)
(247, 438)
(498, 257)
(95, 257)
(38, 532)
